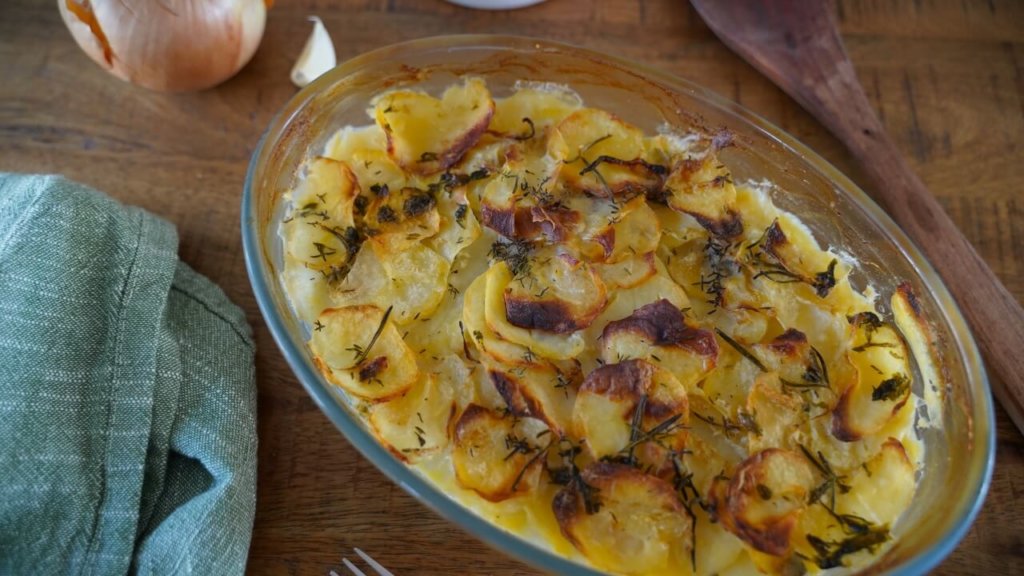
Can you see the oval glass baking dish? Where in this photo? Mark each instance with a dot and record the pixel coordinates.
(959, 454)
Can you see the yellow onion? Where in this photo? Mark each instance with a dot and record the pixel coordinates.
(168, 45)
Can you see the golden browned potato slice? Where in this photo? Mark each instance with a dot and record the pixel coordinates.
(558, 294)
(882, 489)
(659, 333)
(702, 187)
(632, 411)
(546, 343)
(482, 337)
(627, 273)
(613, 231)
(639, 527)
(602, 155)
(541, 105)
(398, 219)
(319, 231)
(416, 280)
(884, 385)
(763, 500)
(920, 338)
(359, 349)
(495, 455)
(426, 135)
(787, 254)
(539, 391)
(415, 424)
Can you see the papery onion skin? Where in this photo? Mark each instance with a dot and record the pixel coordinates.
(168, 45)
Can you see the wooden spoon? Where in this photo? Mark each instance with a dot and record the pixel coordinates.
(796, 44)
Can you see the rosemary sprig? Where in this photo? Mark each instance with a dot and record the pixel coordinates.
(360, 352)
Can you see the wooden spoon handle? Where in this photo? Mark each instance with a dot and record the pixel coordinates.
(811, 65)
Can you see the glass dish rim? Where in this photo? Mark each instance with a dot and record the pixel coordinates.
(424, 491)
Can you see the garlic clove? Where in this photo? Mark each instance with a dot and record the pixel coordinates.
(317, 55)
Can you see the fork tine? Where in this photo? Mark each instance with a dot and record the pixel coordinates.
(382, 571)
(352, 567)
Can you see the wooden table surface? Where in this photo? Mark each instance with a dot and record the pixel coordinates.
(946, 77)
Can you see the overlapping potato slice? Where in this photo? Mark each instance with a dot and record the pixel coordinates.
(557, 294)
(775, 412)
(788, 254)
(319, 231)
(640, 526)
(416, 424)
(920, 337)
(417, 279)
(530, 109)
(602, 155)
(614, 230)
(359, 349)
(482, 337)
(763, 500)
(542, 391)
(627, 273)
(658, 332)
(496, 455)
(634, 412)
(426, 135)
(553, 344)
(881, 489)
(365, 150)
(702, 187)
(884, 385)
(458, 228)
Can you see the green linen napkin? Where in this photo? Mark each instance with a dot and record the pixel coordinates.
(127, 397)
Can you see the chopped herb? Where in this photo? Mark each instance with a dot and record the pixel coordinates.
(460, 215)
(891, 389)
(743, 351)
(515, 253)
(764, 492)
(418, 203)
(386, 214)
(531, 134)
(428, 157)
(318, 326)
(453, 290)
(380, 190)
(322, 251)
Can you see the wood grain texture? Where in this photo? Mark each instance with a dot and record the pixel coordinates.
(945, 76)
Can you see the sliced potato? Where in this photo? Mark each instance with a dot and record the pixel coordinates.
(459, 227)
(417, 280)
(426, 135)
(762, 502)
(639, 527)
(881, 490)
(319, 231)
(538, 391)
(776, 413)
(542, 105)
(659, 333)
(559, 294)
(702, 187)
(482, 337)
(345, 350)
(365, 150)
(602, 155)
(614, 231)
(884, 382)
(627, 273)
(551, 345)
(495, 455)
(415, 424)
(632, 411)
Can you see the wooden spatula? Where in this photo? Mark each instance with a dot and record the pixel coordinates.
(796, 44)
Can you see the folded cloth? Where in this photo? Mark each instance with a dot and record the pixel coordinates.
(127, 398)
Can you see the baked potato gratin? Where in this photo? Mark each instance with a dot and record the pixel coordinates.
(599, 340)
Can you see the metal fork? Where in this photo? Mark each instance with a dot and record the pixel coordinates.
(380, 570)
